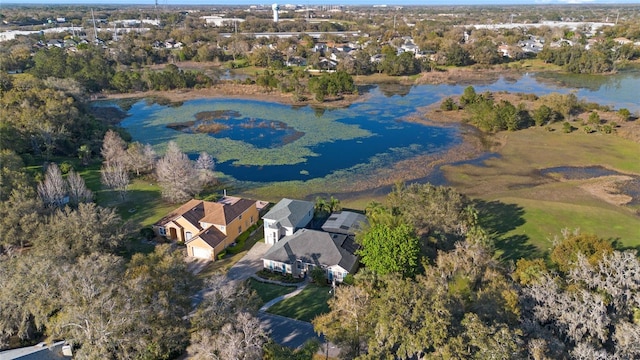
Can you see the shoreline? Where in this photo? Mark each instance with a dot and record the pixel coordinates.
(231, 90)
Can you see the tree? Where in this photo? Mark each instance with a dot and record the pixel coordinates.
(205, 165)
(591, 311)
(115, 177)
(625, 114)
(29, 295)
(70, 233)
(113, 148)
(346, 324)
(433, 211)
(53, 189)
(542, 115)
(469, 96)
(448, 105)
(177, 175)
(160, 288)
(240, 339)
(20, 219)
(273, 351)
(96, 314)
(78, 191)
(140, 158)
(566, 252)
(84, 154)
(387, 249)
(224, 324)
(12, 174)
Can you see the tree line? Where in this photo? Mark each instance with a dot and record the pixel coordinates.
(432, 287)
(489, 115)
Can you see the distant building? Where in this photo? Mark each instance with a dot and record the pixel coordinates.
(218, 21)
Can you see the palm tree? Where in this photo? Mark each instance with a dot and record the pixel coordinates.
(321, 207)
(334, 205)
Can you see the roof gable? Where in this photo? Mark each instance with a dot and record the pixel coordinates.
(315, 247)
(212, 236)
(217, 213)
(289, 212)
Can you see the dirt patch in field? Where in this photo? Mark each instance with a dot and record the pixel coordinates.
(607, 189)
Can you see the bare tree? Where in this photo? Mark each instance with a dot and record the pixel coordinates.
(115, 177)
(204, 165)
(113, 148)
(225, 327)
(150, 157)
(204, 162)
(53, 189)
(140, 158)
(78, 192)
(177, 175)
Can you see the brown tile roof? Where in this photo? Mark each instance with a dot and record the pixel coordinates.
(219, 214)
(212, 236)
(196, 211)
(178, 212)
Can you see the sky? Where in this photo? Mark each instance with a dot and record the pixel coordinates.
(326, 2)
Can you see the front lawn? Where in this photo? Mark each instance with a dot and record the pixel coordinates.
(268, 292)
(311, 302)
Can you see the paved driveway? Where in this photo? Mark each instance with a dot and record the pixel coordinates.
(249, 264)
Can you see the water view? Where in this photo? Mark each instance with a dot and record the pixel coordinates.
(259, 141)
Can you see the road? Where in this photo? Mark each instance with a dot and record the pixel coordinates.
(293, 333)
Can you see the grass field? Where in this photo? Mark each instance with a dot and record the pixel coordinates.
(311, 302)
(528, 209)
(268, 292)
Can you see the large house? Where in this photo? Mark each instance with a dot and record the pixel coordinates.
(206, 227)
(300, 250)
(299, 253)
(285, 218)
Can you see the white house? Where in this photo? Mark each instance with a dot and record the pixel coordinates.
(285, 218)
(299, 253)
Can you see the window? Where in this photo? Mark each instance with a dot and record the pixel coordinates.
(222, 228)
(162, 231)
(251, 219)
(240, 217)
(240, 229)
(188, 235)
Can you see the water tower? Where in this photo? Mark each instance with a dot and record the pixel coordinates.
(275, 9)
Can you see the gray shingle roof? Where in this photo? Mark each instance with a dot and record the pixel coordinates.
(344, 222)
(315, 247)
(289, 212)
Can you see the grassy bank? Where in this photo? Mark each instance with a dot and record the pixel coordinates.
(540, 206)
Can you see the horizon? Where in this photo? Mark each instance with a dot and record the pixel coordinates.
(329, 2)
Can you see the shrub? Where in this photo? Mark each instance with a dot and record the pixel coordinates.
(348, 280)
(318, 276)
(221, 255)
(448, 105)
(278, 276)
(147, 233)
(625, 114)
(65, 167)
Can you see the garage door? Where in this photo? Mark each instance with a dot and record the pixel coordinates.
(201, 253)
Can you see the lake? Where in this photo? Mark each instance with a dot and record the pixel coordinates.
(261, 142)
